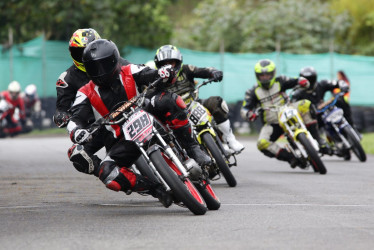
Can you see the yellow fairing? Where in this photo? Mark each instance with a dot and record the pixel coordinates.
(304, 106)
(211, 131)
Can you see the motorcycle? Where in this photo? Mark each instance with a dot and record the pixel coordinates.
(339, 132)
(299, 140)
(210, 138)
(163, 159)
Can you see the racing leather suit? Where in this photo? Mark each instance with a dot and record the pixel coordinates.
(92, 103)
(67, 85)
(317, 93)
(271, 130)
(13, 126)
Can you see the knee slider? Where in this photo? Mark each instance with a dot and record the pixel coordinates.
(263, 144)
(82, 161)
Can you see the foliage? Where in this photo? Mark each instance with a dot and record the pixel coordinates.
(131, 22)
(358, 38)
(295, 26)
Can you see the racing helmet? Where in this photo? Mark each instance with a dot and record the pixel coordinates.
(101, 60)
(310, 74)
(14, 89)
(31, 92)
(167, 54)
(78, 42)
(265, 73)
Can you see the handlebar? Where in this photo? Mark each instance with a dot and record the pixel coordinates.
(324, 106)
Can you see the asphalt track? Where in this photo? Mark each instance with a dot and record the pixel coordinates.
(46, 204)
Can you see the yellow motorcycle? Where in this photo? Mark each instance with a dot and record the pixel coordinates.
(299, 140)
(209, 138)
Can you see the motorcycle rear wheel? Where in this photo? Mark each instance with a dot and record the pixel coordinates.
(224, 168)
(355, 144)
(183, 190)
(313, 156)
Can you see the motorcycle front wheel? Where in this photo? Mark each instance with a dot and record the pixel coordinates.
(355, 143)
(313, 156)
(183, 189)
(206, 191)
(213, 149)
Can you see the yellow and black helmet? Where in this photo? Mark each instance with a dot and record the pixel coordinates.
(265, 73)
(78, 42)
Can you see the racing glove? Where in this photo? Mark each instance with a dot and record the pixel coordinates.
(80, 136)
(217, 75)
(61, 119)
(252, 116)
(303, 82)
(168, 74)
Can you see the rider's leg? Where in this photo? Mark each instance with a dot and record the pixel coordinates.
(220, 111)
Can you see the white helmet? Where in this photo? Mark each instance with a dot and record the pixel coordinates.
(30, 90)
(14, 89)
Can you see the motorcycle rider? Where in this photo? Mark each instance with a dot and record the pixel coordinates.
(186, 74)
(12, 97)
(270, 90)
(317, 89)
(33, 107)
(68, 83)
(111, 84)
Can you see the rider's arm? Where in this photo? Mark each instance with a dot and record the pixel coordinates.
(81, 113)
(250, 102)
(287, 82)
(196, 72)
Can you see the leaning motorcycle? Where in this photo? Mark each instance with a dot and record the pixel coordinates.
(166, 161)
(339, 132)
(299, 140)
(210, 138)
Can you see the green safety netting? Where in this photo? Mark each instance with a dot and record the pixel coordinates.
(41, 62)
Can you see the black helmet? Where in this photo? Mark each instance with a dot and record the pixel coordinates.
(101, 60)
(310, 74)
(169, 53)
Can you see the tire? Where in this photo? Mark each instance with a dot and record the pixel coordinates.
(213, 149)
(355, 143)
(183, 190)
(143, 167)
(313, 156)
(211, 199)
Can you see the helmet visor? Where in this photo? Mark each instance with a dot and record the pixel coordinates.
(169, 55)
(95, 68)
(76, 53)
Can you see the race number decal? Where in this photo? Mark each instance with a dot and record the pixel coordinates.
(138, 125)
(197, 113)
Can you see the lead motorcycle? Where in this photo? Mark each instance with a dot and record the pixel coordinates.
(210, 138)
(163, 159)
(339, 132)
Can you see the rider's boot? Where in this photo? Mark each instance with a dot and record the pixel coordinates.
(229, 138)
(123, 179)
(284, 155)
(156, 190)
(324, 147)
(185, 138)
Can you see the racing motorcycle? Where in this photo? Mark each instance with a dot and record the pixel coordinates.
(339, 132)
(210, 138)
(163, 159)
(299, 140)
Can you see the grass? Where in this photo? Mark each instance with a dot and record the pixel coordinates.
(368, 142)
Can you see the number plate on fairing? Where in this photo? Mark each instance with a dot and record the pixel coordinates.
(138, 127)
(197, 113)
